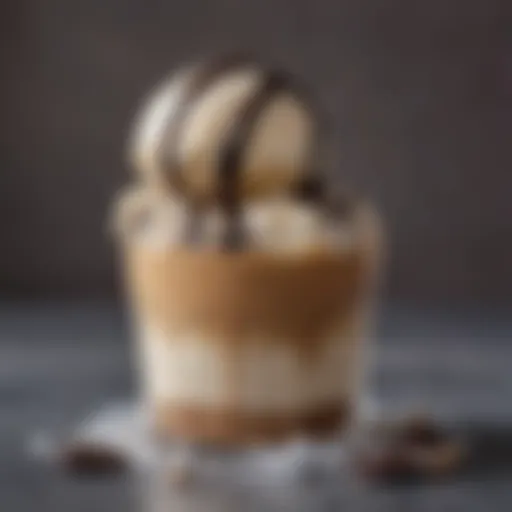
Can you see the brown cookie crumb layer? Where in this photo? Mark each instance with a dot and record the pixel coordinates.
(211, 425)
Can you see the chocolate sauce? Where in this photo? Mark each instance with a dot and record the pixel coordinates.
(207, 74)
(232, 154)
(202, 79)
(312, 188)
(336, 204)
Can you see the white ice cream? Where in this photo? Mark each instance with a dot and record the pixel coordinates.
(275, 157)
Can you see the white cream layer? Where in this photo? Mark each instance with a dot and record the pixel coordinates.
(265, 377)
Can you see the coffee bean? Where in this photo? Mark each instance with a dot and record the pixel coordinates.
(407, 450)
(420, 431)
(92, 459)
(390, 466)
(444, 459)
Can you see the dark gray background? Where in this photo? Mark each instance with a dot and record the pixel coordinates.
(420, 93)
(421, 96)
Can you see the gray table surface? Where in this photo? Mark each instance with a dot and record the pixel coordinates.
(58, 362)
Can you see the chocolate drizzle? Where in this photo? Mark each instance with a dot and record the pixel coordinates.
(311, 188)
(205, 76)
(337, 204)
(231, 156)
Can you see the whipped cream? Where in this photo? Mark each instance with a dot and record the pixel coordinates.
(273, 226)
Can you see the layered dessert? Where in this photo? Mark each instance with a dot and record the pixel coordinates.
(249, 273)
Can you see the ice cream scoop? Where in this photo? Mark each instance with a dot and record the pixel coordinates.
(225, 128)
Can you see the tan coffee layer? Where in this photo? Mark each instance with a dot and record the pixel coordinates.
(235, 297)
(213, 425)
